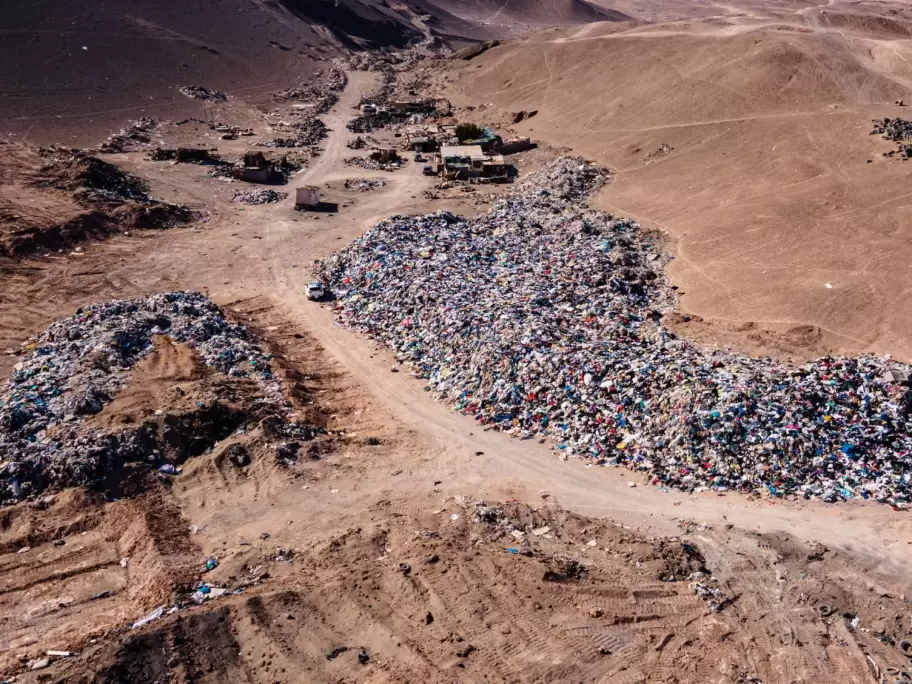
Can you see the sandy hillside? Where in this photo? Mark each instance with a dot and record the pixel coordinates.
(73, 72)
(747, 140)
(514, 16)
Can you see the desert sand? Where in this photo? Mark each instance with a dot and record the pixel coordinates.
(385, 554)
(788, 221)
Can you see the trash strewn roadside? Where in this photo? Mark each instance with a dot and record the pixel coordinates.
(543, 317)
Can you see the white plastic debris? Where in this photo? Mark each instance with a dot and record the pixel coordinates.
(151, 617)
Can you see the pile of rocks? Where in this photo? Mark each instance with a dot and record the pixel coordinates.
(543, 317)
(75, 368)
(897, 130)
(892, 129)
(259, 196)
(200, 93)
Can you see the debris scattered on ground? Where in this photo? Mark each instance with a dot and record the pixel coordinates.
(118, 200)
(369, 164)
(307, 133)
(542, 316)
(369, 121)
(131, 137)
(709, 592)
(163, 154)
(363, 184)
(658, 153)
(306, 130)
(90, 178)
(188, 155)
(75, 368)
(322, 96)
(259, 196)
(200, 93)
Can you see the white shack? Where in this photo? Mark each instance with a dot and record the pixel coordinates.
(307, 196)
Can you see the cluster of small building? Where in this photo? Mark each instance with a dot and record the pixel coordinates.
(426, 129)
(482, 157)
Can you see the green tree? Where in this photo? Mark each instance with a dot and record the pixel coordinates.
(468, 131)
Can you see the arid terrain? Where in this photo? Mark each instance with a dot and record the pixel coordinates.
(406, 542)
(745, 137)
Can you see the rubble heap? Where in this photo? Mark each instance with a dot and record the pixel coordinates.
(307, 133)
(259, 196)
(98, 184)
(363, 184)
(369, 121)
(369, 164)
(542, 317)
(90, 177)
(196, 92)
(136, 135)
(74, 368)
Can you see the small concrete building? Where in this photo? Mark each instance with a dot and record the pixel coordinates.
(463, 160)
(307, 196)
(421, 143)
(494, 166)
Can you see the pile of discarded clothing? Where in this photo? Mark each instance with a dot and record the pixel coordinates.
(74, 369)
(259, 196)
(544, 317)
